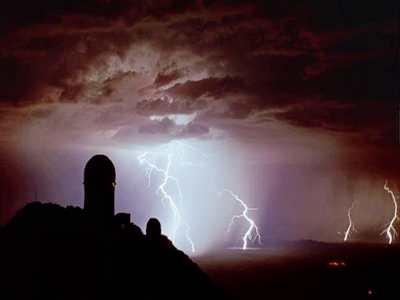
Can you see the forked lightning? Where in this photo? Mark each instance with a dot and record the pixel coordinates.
(252, 233)
(167, 179)
(390, 231)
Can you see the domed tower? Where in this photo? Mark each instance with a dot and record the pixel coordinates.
(99, 184)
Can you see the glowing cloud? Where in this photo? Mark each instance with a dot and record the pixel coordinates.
(179, 119)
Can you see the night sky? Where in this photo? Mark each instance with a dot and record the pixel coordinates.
(294, 105)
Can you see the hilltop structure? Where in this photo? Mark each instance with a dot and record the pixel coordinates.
(54, 252)
(99, 184)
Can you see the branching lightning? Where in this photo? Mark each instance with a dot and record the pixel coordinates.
(166, 197)
(175, 157)
(252, 232)
(390, 231)
(350, 228)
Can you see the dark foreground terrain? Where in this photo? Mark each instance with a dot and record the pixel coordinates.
(51, 252)
(307, 270)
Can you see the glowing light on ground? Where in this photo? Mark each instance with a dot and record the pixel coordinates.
(166, 197)
(390, 231)
(335, 264)
(252, 233)
(350, 227)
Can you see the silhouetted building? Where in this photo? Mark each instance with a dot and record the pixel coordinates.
(153, 228)
(155, 237)
(99, 184)
(122, 220)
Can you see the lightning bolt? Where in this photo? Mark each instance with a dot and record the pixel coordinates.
(252, 232)
(167, 179)
(390, 231)
(350, 227)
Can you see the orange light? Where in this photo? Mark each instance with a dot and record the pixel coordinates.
(333, 264)
(336, 264)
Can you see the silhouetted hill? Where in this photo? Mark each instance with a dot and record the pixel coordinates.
(52, 252)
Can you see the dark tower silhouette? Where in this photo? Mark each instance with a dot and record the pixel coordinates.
(153, 228)
(99, 183)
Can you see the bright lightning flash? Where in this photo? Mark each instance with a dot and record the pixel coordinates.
(252, 232)
(162, 190)
(390, 231)
(351, 227)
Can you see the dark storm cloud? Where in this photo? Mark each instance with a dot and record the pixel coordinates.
(105, 92)
(164, 106)
(169, 128)
(309, 82)
(164, 78)
(50, 44)
(163, 126)
(193, 130)
(192, 96)
(210, 87)
(371, 118)
(224, 60)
